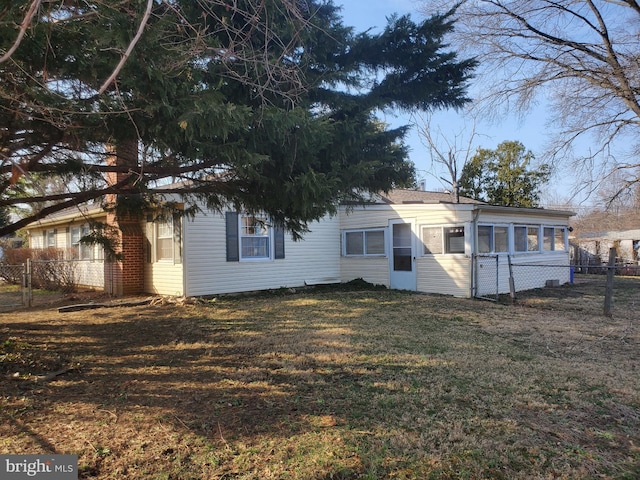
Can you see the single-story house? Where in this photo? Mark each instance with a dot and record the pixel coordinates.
(592, 248)
(406, 239)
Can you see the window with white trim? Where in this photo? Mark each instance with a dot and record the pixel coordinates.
(554, 239)
(164, 240)
(80, 250)
(560, 243)
(51, 239)
(493, 239)
(255, 238)
(432, 240)
(369, 242)
(438, 240)
(526, 238)
(454, 240)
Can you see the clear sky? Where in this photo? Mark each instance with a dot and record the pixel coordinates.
(365, 14)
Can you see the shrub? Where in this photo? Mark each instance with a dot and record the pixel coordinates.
(49, 270)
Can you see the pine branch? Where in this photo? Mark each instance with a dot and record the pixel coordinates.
(23, 29)
(130, 48)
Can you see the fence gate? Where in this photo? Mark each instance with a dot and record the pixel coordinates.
(486, 276)
(14, 290)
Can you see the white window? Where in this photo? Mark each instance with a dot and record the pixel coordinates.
(164, 240)
(255, 238)
(51, 239)
(526, 238)
(493, 238)
(554, 239)
(79, 250)
(560, 242)
(454, 239)
(432, 240)
(438, 240)
(364, 242)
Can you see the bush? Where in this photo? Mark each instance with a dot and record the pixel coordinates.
(49, 270)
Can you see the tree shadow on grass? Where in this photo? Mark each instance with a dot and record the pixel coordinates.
(221, 375)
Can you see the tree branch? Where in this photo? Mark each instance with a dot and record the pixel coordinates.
(127, 53)
(23, 29)
(79, 198)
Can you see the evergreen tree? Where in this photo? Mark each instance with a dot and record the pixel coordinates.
(504, 176)
(256, 104)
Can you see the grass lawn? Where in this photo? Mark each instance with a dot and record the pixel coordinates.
(330, 384)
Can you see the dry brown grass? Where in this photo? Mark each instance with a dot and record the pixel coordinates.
(330, 384)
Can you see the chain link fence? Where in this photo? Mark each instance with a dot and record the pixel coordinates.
(498, 277)
(13, 292)
(66, 275)
(22, 285)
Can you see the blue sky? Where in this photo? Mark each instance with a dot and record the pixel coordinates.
(364, 14)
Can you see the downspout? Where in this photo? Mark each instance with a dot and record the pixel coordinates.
(473, 280)
(185, 264)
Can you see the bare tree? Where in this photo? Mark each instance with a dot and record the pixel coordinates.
(448, 149)
(581, 56)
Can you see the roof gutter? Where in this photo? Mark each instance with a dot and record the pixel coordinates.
(529, 211)
(68, 218)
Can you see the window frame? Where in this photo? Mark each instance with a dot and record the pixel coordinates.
(554, 238)
(492, 239)
(152, 245)
(423, 236)
(51, 239)
(82, 251)
(526, 228)
(264, 220)
(157, 225)
(447, 236)
(364, 233)
(445, 245)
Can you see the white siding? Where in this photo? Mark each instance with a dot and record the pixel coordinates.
(445, 274)
(87, 273)
(371, 269)
(534, 271)
(424, 214)
(36, 239)
(163, 278)
(312, 260)
(522, 218)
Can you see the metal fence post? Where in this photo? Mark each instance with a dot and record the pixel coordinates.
(497, 277)
(25, 294)
(608, 295)
(29, 284)
(512, 283)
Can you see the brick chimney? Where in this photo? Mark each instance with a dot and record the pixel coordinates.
(124, 276)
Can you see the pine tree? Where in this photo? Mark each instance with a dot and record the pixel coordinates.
(256, 105)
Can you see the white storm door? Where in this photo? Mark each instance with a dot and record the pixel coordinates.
(402, 268)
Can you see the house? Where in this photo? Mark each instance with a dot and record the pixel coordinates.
(592, 248)
(406, 239)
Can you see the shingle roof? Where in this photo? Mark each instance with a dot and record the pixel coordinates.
(400, 196)
(72, 214)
